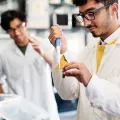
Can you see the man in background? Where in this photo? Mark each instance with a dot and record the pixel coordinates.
(97, 73)
(27, 72)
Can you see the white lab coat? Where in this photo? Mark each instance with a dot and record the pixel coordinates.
(101, 99)
(29, 76)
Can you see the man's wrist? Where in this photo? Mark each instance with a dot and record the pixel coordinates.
(43, 54)
(87, 82)
(63, 51)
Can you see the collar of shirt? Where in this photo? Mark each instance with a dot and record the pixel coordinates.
(102, 42)
(112, 37)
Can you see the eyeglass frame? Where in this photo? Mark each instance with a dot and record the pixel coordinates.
(19, 27)
(84, 15)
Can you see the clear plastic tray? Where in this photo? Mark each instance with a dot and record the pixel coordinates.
(13, 107)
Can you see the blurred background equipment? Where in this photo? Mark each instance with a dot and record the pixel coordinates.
(64, 16)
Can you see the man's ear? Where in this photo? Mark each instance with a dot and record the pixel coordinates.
(26, 24)
(114, 9)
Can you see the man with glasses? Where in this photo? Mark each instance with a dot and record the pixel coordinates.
(27, 72)
(97, 73)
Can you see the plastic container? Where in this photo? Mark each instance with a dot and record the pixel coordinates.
(13, 107)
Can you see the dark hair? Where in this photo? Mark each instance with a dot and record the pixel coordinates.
(9, 15)
(105, 2)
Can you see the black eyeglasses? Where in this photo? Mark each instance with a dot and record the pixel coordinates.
(19, 28)
(89, 15)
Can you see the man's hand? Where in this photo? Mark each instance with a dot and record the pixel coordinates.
(79, 71)
(37, 46)
(39, 49)
(56, 32)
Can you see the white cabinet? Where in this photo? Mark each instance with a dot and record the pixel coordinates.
(38, 14)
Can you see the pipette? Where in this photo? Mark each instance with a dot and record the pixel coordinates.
(57, 43)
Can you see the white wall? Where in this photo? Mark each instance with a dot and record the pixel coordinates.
(4, 41)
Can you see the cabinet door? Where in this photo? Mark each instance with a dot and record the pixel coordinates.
(38, 14)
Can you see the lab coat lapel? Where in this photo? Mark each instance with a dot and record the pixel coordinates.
(28, 50)
(17, 50)
(94, 60)
(107, 52)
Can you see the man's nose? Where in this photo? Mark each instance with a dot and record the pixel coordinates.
(86, 22)
(16, 31)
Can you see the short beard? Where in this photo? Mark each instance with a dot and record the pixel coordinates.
(94, 35)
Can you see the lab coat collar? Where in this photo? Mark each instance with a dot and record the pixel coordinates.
(18, 51)
(112, 37)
